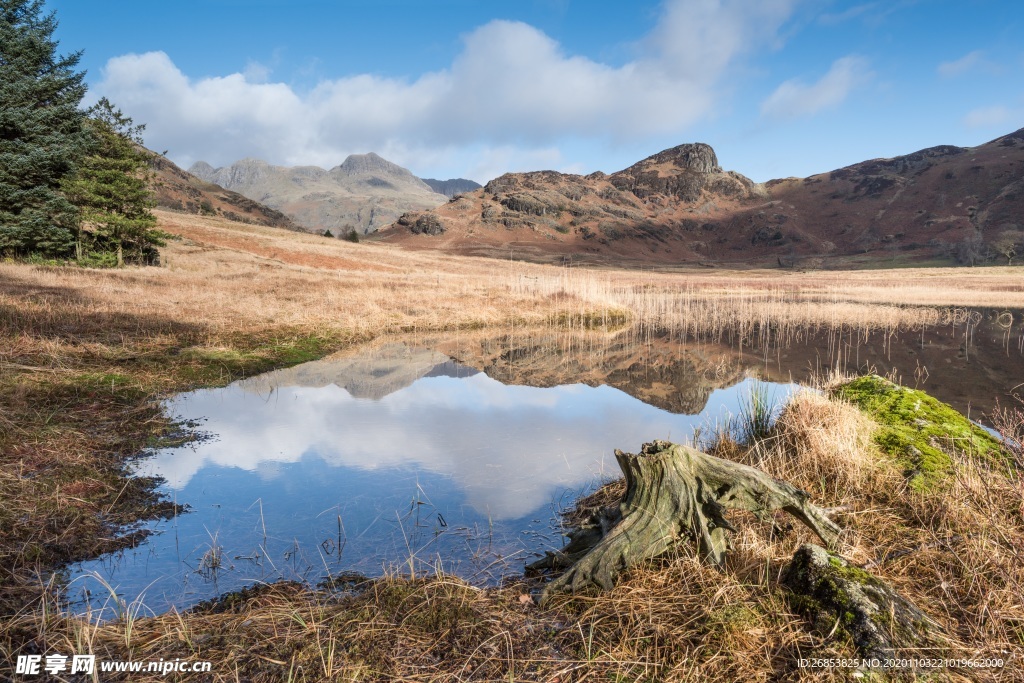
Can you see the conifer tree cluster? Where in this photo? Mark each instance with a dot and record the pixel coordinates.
(110, 190)
(72, 182)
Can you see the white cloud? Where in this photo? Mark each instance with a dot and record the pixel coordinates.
(871, 14)
(958, 67)
(699, 39)
(795, 99)
(988, 117)
(512, 87)
(834, 18)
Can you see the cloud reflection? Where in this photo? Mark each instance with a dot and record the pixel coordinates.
(510, 449)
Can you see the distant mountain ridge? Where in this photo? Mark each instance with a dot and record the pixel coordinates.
(678, 206)
(452, 186)
(179, 190)
(363, 193)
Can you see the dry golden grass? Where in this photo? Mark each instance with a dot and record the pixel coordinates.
(956, 550)
(230, 276)
(825, 446)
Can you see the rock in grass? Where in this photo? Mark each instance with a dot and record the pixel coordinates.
(428, 224)
(837, 596)
(918, 430)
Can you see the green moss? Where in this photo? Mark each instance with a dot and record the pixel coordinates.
(735, 618)
(839, 598)
(301, 349)
(244, 357)
(918, 430)
(849, 571)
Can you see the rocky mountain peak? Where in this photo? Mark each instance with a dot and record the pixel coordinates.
(358, 164)
(678, 205)
(686, 172)
(244, 172)
(193, 192)
(696, 157)
(362, 193)
(452, 186)
(201, 169)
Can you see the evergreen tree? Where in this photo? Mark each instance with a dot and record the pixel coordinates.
(110, 188)
(41, 132)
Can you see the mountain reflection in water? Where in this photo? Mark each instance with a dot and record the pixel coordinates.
(395, 456)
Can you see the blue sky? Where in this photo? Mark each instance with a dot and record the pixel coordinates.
(470, 88)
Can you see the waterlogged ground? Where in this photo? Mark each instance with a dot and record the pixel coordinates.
(393, 459)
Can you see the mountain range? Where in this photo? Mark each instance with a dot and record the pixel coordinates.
(679, 206)
(177, 190)
(363, 193)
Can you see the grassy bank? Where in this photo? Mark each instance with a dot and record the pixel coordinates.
(86, 355)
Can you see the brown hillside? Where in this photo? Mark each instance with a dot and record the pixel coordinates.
(179, 190)
(679, 207)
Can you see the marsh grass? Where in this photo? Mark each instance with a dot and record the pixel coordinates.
(86, 355)
(212, 560)
(757, 413)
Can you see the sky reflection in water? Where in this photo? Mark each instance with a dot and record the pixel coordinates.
(401, 454)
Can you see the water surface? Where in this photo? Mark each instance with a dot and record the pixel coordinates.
(393, 459)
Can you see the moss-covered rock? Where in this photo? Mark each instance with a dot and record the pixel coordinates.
(836, 596)
(916, 429)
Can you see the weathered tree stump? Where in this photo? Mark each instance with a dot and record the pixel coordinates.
(673, 491)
